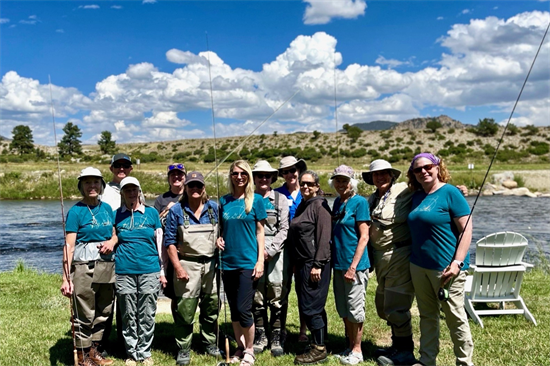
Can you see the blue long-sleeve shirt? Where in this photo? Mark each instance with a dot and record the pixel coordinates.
(175, 219)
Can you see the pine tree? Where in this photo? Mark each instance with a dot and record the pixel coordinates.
(22, 140)
(70, 143)
(106, 145)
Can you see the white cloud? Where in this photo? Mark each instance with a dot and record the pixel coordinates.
(440, 18)
(149, 1)
(89, 6)
(484, 64)
(28, 22)
(4, 20)
(465, 11)
(59, 31)
(322, 11)
(33, 17)
(116, 7)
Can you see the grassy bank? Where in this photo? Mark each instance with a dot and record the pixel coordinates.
(40, 181)
(35, 328)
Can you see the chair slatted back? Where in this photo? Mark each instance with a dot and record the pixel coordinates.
(497, 285)
(501, 249)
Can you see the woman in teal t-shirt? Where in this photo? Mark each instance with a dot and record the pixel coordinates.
(88, 256)
(242, 215)
(139, 270)
(439, 217)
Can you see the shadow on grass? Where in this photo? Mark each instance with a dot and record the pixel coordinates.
(62, 351)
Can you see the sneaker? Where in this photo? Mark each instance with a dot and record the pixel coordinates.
(384, 351)
(148, 361)
(343, 354)
(397, 357)
(130, 362)
(276, 343)
(184, 358)
(213, 350)
(315, 355)
(353, 358)
(260, 340)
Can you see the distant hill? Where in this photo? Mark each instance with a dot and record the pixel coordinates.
(2, 138)
(420, 123)
(375, 125)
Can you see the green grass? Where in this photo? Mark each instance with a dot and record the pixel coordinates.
(35, 328)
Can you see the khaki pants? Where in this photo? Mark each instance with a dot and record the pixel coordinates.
(395, 292)
(426, 285)
(200, 290)
(92, 305)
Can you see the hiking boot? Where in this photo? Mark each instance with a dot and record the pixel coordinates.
(276, 343)
(84, 360)
(316, 354)
(397, 357)
(184, 358)
(384, 351)
(260, 340)
(213, 350)
(97, 357)
(353, 358)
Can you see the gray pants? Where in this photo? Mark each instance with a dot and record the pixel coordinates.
(92, 305)
(138, 296)
(426, 285)
(395, 292)
(272, 292)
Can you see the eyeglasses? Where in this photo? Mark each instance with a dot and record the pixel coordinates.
(242, 174)
(262, 176)
(121, 165)
(291, 171)
(176, 166)
(198, 185)
(308, 184)
(426, 167)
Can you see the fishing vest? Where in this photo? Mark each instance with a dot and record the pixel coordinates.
(197, 240)
(273, 220)
(88, 252)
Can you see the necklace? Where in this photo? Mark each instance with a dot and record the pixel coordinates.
(94, 221)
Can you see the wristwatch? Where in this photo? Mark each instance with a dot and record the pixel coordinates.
(460, 263)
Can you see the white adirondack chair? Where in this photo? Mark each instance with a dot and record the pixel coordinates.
(498, 274)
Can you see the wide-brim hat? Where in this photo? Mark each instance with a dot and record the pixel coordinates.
(194, 177)
(379, 165)
(129, 181)
(289, 161)
(343, 171)
(263, 166)
(90, 172)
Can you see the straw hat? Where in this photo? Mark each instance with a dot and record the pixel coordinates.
(263, 166)
(289, 161)
(379, 165)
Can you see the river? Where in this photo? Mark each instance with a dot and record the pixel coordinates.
(32, 231)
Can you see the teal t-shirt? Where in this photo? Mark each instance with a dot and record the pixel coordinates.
(433, 231)
(239, 232)
(136, 252)
(345, 232)
(90, 223)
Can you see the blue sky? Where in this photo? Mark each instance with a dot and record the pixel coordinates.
(140, 68)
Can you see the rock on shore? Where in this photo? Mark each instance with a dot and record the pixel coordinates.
(505, 185)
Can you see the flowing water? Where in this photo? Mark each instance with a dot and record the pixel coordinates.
(32, 231)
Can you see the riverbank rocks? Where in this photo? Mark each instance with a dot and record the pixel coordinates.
(500, 178)
(510, 184)
(508, 188)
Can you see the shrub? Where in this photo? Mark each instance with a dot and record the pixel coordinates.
(539, 148)
(451, 130)
(433, 125)
(530, 130)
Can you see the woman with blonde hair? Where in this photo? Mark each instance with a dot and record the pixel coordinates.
(441, 232)
(242, 218)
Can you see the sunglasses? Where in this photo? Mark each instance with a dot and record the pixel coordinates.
(119, 165)
(176, 166)
(195, 185)
(242, 174)
(426, 167)
(291, 171)
(262, 176)
(308, 184)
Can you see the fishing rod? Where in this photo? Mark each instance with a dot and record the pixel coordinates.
(336, 112)
(251, 133)
(66, 269)
(502, 137)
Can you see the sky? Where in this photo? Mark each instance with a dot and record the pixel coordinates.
(144, 70)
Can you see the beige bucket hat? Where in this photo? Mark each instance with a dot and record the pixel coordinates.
(289, 161)
(263, 166)
(378, 165)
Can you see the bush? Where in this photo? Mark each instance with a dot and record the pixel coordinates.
(539, 148)
(486, 127)
(530, 130)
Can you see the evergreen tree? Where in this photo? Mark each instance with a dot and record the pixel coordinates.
(106, 145)
(70, 143)
(486, 127)
(22, 140)
(433, 125)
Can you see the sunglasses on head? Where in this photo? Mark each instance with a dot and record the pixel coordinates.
(291, 171)
(176, 166)
(426, 167)
(308, 184)
(262, 175)
(242, 174)
(122, 165)
(195, 185)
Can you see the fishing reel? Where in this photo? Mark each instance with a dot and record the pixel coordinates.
(443, 294)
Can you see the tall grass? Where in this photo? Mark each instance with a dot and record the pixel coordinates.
(35, 328)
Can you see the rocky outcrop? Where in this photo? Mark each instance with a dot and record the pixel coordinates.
(420, 123)
(504, 185)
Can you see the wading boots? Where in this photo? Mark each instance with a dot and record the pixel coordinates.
(84, 359)
(97, 357)
(260, 340)
(277, 343)
(316, 354)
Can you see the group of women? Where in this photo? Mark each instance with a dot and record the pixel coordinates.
(419, 239)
